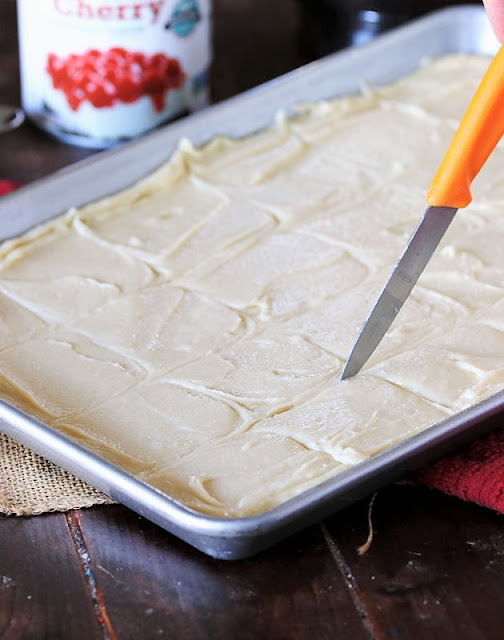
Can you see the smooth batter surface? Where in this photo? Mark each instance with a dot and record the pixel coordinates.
(192, 328)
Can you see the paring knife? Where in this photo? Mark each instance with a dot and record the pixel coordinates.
(479, 131)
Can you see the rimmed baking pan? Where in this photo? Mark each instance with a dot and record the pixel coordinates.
(455, 30)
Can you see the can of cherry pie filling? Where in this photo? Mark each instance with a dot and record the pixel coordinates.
(97, 72)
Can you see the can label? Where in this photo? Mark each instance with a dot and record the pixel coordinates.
(99, 71)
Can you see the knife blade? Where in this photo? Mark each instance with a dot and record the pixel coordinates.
(410, 265)
(480, 129)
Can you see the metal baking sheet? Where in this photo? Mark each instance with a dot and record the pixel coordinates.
(454, 30)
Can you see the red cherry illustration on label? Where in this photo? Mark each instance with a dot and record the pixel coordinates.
(105, 78)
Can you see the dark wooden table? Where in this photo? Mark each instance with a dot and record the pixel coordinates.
(434, 570)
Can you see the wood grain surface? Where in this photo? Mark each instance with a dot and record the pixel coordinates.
(435, 568)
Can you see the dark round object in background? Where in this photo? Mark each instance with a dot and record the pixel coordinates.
(329, 25)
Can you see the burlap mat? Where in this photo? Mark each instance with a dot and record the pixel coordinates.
(30, 485)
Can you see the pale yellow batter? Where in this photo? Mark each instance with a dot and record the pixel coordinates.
(192, 328)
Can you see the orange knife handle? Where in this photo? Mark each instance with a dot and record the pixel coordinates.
(479, 131)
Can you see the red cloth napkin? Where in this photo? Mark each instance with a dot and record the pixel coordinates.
(6, 186)
(475, 474)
